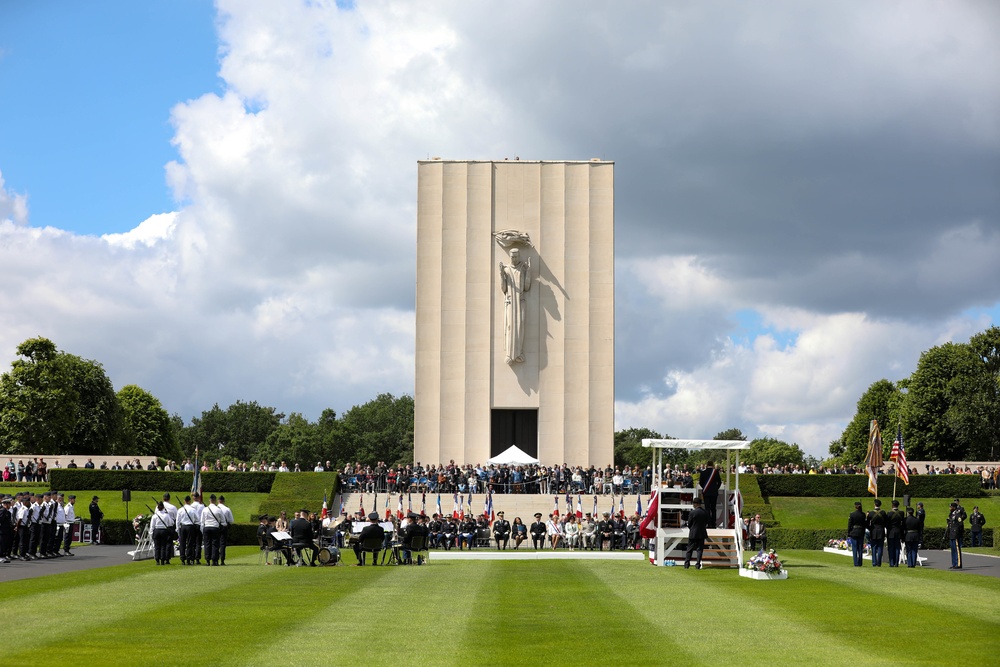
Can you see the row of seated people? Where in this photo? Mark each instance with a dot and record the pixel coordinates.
(447, 532)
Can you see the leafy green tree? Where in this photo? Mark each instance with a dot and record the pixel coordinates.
(237, 433)
(52, 402)
(628, 447)
(296, 440)
(772, 452)
(881, 401)
(147, 428)
(730, 434)
(930, 414)
(379, 430)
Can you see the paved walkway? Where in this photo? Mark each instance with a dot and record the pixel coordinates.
(86, 558)
(971, 563)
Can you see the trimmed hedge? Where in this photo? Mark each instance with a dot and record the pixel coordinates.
(856, 486)
(120, 531)
(150, 480)
(803, 538)
(750, 490)
(300, 491)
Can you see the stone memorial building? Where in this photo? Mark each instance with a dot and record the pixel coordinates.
(515, 310)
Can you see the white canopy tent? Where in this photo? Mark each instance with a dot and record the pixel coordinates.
(513, 457)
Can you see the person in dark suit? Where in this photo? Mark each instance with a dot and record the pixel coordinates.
(373, 531)
(415, 528)
(921, 515)
(302, 537)
(894, 533)
(857, 524)
(538, 532)
(877, 520)
(606, 532)
(976, 522)
(956, 531)
(710, 481)
(95, 520)
(501, 531)
(697, 522)
(911, 537)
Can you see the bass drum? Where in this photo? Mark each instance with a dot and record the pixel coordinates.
(329, 555)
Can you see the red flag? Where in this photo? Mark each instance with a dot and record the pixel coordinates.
(647, 528)
(555, 511)
(361, 504)
(399, 507)
(454, 507)
(579, 506)
(325, 513)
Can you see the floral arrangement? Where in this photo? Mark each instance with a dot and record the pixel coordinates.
(139, 524)
(846, 545)
(764, 562)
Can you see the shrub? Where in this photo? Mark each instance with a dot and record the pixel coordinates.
(149, 480)
(848, 486)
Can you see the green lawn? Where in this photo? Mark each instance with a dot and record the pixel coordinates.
(833, 512)
(242, 504)
(504, 613)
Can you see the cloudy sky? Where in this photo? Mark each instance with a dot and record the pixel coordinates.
(217, 202)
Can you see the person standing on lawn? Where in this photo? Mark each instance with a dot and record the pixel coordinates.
(857, 524)
(697, 522)
(95, 520)
(877, 520)
(911, 536)
(956, 531)
(894, 533)
(976, 523)
(69, 518)
(227, 521)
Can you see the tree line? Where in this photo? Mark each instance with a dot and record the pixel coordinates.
(948, 409)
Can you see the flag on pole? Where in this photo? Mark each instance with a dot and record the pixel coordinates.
(612, 510)
(196, 482)
(873, 458)
(439, 512)
(470, 504)
(638, 504)
(361, 504)
(621, 506)
(326, 512)
(899, 456)
(569, 503)
(388, 512)
(423, 504)
(595, 508)
(342, 504)
(489, 506)
(555, 511)
(454, 507)
(399, 507)
(647, 527)
(461, 508)
(579, 506)
(409, 502)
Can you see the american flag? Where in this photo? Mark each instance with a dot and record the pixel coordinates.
(899, 456)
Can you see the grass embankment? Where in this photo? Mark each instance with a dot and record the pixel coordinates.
(291, 492)
(502, 612)
(242, 504)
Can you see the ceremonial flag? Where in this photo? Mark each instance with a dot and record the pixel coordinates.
(595, 507)
(399, 507)
(579, 506)
(612, 512)
(325, 513)
(409, 502)
(489, 506)
(555, 512)
(423, 504)
(362, 504)
(621, 505)
(647, 527)
(439, 512)
(388, 512)
(461, 509)
(342, 504)
(569, 503)
(638, 504)
(873, 459)
(196, 482)
(454, 507)
(899, 456)
(470, 504)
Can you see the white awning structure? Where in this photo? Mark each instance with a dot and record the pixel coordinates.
(695, 444)
(513, 456)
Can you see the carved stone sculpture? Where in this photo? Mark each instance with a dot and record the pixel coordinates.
(515, 280)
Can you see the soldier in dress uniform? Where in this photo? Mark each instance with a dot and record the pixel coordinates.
(697, 521)
(894, 533)
(857, 524)
(6, 529)
(877, 520)
(911, 536)
(956, 532)
(501, 531)
(538, 532)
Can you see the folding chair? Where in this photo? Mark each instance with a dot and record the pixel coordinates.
(418, 548)
(371, 545)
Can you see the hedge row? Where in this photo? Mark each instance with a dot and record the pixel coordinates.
(847, 486)
(803, 538)
(154, 480)
(120, 531)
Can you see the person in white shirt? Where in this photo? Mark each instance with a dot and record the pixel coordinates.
(187, 530)
(199, 536)
(169, 507)
(227, 521)
(161, 525)
(319, 467)
(60, 520)
(211, 525)
(69, 518)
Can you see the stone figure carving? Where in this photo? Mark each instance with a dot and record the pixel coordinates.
(515, 280)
